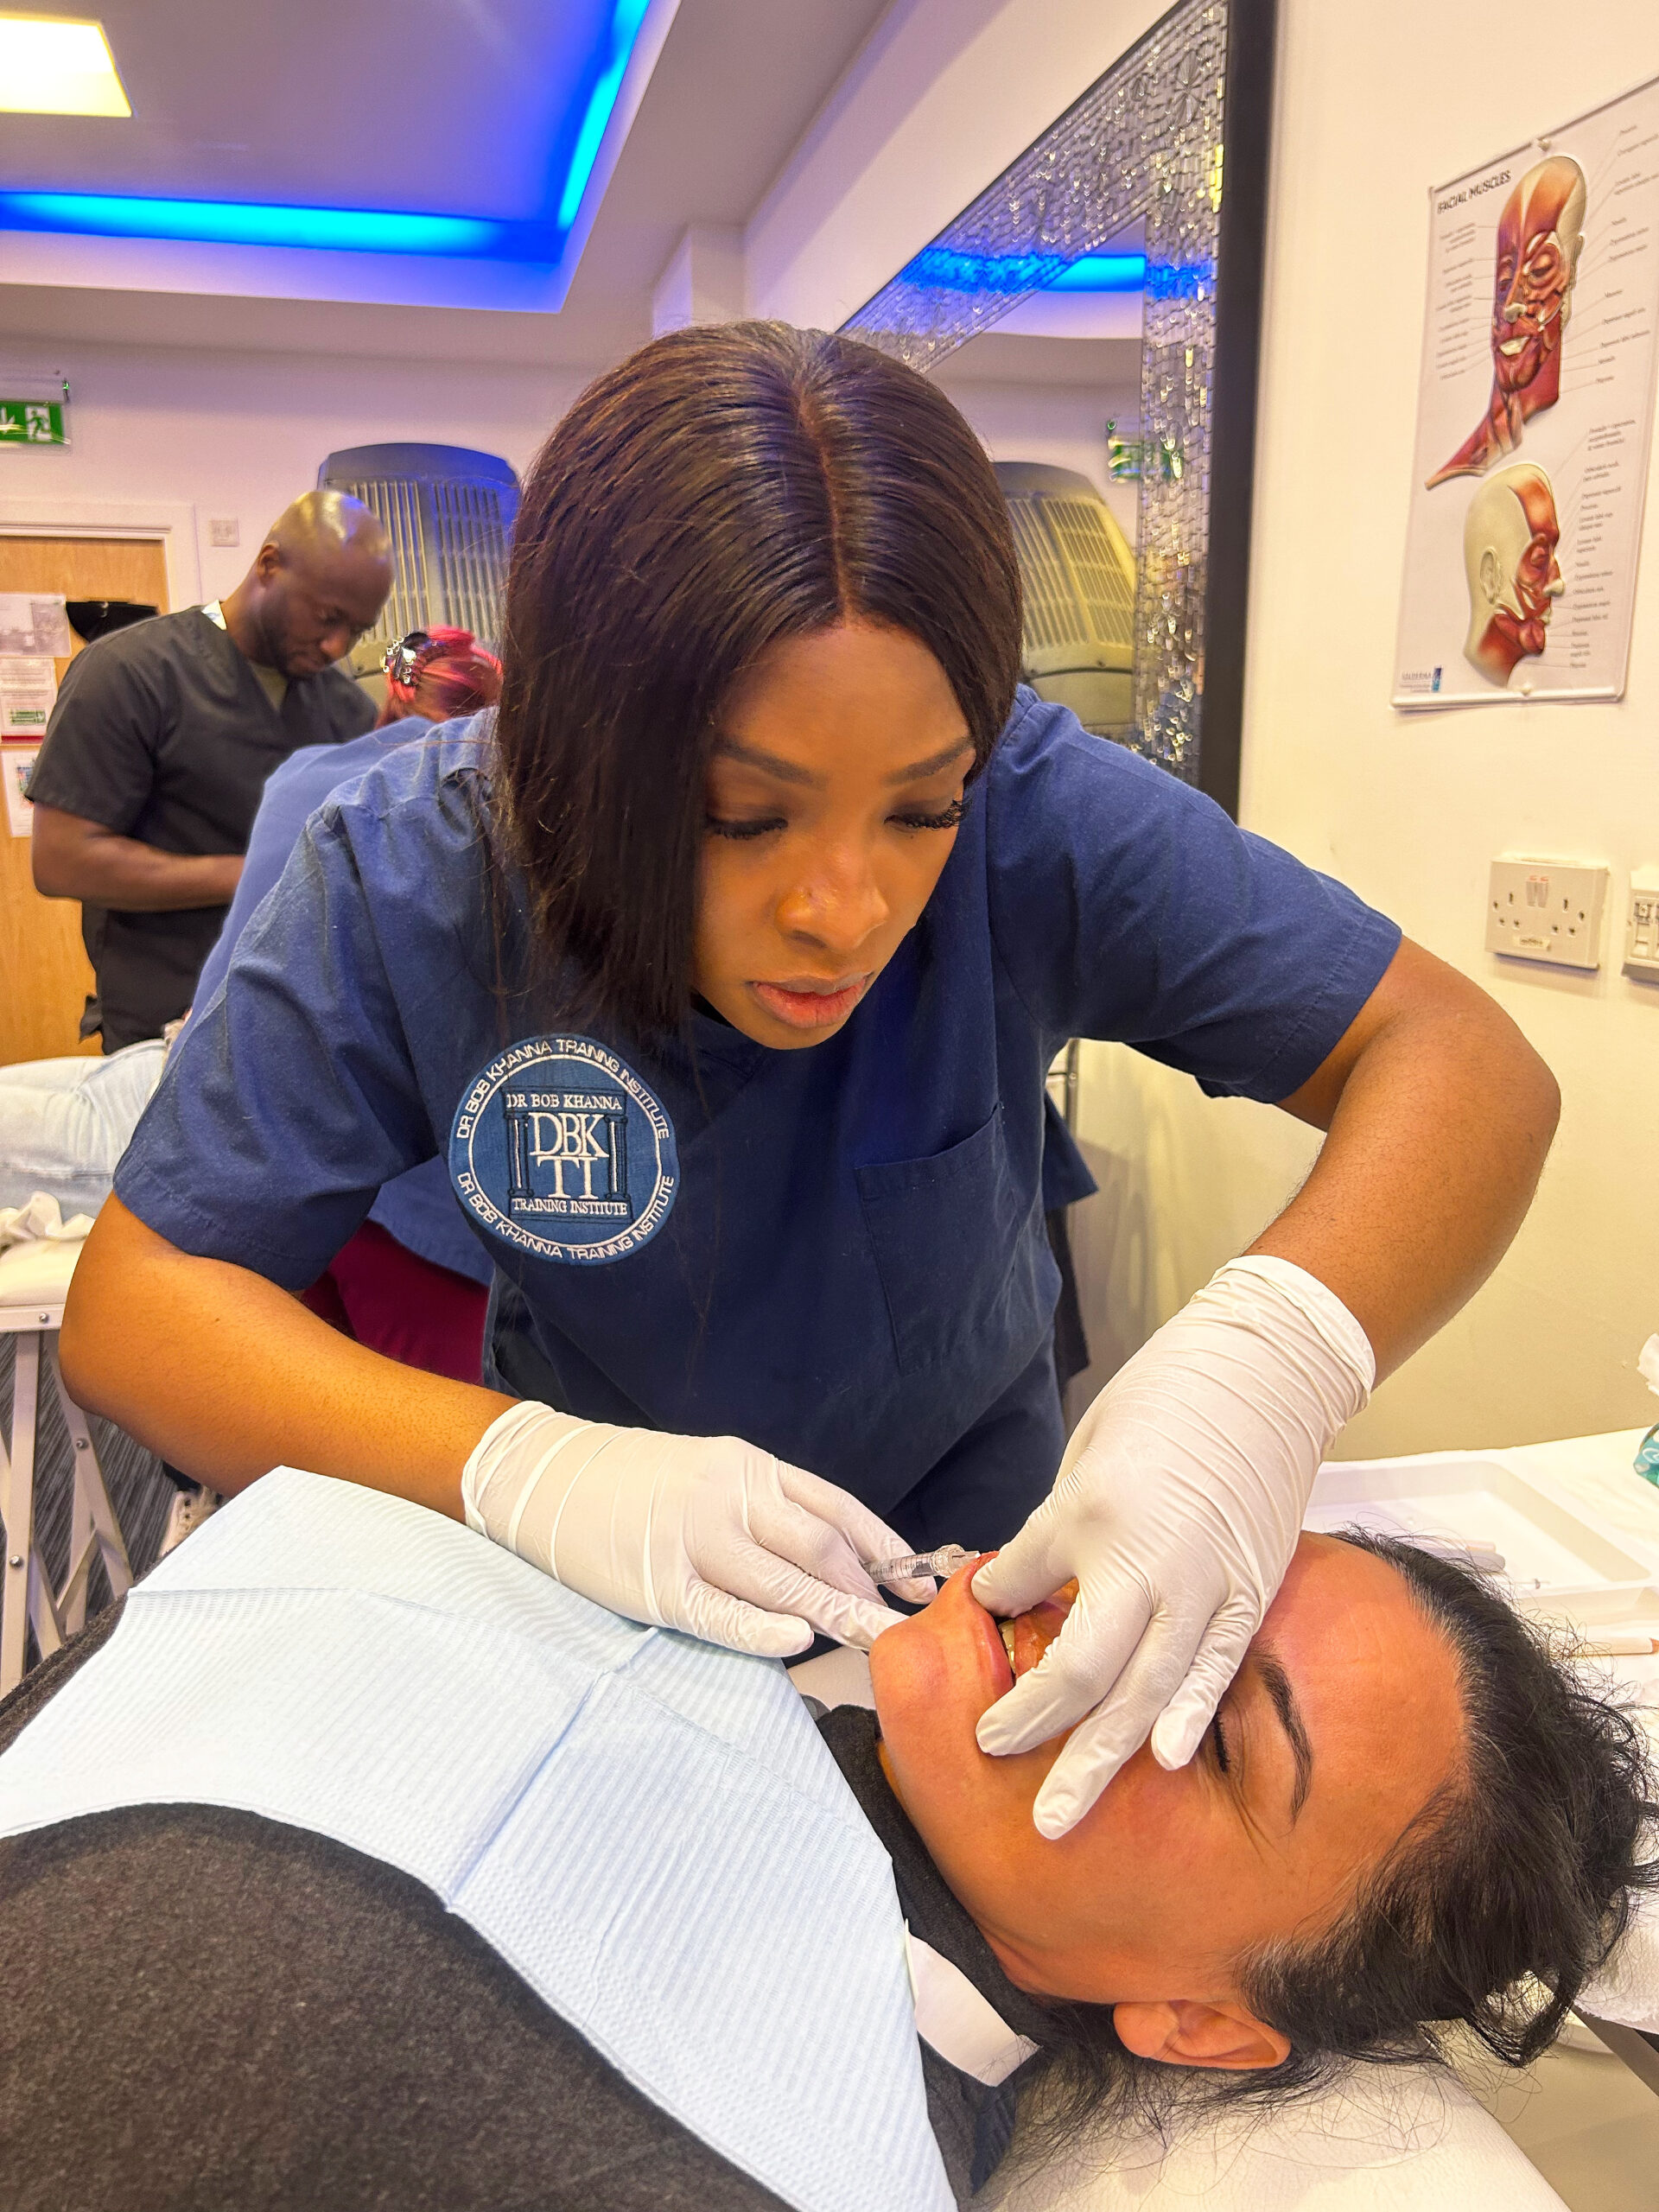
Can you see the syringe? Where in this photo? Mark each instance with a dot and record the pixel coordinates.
(909, 1565)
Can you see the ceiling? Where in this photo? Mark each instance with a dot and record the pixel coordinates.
(422, 104)
(319, 105)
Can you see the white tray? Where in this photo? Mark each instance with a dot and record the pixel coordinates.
(1558, 1559)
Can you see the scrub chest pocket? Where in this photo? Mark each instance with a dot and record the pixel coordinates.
(962, 1265)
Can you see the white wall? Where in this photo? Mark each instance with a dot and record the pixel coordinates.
(239, 435)
(1373, 107)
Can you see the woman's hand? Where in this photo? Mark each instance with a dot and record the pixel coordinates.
(1177, 1508)
(705, 1533)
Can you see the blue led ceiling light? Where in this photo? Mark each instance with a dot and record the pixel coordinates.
(943, 269)
(539, 239)
(227, 222)
(626, 19)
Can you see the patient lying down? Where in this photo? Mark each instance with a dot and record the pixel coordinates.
(1405, 1813)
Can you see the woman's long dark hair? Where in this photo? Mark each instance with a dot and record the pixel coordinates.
(722, 489)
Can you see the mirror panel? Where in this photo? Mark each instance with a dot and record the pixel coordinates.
(1138, 215)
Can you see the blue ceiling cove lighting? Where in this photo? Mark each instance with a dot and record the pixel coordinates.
(227, 222)
(539, 237)
(626, 20)
(945, 270)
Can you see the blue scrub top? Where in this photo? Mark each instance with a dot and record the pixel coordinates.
(836, 1252)
(419, 1208)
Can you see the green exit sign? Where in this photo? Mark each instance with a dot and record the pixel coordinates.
(34, 423)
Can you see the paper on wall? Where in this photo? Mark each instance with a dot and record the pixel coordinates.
(17, 760)
(34, 622)
(29, 686)
(1536, 404)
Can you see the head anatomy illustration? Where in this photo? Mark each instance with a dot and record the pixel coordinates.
(1511, 538)
(1539, 236)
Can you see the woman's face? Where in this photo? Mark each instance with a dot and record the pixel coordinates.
(1344, 1720)
(834, 794)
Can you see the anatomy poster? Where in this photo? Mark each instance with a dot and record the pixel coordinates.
(1535, 414)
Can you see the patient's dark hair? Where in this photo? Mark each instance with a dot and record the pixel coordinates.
(1501, 1900)
(720, 491)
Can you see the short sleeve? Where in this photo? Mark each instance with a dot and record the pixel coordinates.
(1126, 906)
(292, 1096)
(98, 757)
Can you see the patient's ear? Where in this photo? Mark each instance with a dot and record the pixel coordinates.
(1186, 2033)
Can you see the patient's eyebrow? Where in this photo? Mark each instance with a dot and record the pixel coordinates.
(1276, 1682)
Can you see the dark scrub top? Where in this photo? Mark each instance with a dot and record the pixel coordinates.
(164, 732)
(206, 2008)
(419, 1209)
(836, 1252)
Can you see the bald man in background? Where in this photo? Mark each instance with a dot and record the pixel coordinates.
(160, 741)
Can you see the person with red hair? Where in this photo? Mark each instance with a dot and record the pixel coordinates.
(439, 674)
(413, 1282)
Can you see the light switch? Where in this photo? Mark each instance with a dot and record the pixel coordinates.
(1547, 910)
(1642, 925)
(223, 530)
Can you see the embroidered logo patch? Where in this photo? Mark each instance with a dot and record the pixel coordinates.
(559, 1149)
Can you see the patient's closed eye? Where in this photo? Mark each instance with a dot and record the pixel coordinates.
(1281, 1697)
(1219, 1745)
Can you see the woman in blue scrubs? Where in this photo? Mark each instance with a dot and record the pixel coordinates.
(724, 965)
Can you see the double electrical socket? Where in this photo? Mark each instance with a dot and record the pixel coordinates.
(1547, 910)
(1551, 911)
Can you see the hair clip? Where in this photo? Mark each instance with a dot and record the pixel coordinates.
(402, 661)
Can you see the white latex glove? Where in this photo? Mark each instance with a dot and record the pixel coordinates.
(705, 1533)
(1177, 1507)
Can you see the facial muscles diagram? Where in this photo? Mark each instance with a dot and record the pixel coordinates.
(1540, 237)
(1511, 537)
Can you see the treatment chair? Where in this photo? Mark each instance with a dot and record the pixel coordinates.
(34, 1280)
(1384, 2143)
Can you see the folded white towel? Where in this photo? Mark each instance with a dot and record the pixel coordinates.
(42, 1220)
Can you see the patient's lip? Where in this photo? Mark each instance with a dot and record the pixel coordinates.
(986, 1624)
(1027, 1636)
(989, 1628)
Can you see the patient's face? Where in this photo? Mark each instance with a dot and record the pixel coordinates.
(1173, 1877)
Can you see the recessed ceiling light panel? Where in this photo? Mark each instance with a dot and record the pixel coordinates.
(54, 65)
(587, 64)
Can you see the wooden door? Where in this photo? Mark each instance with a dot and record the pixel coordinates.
(44, 972)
